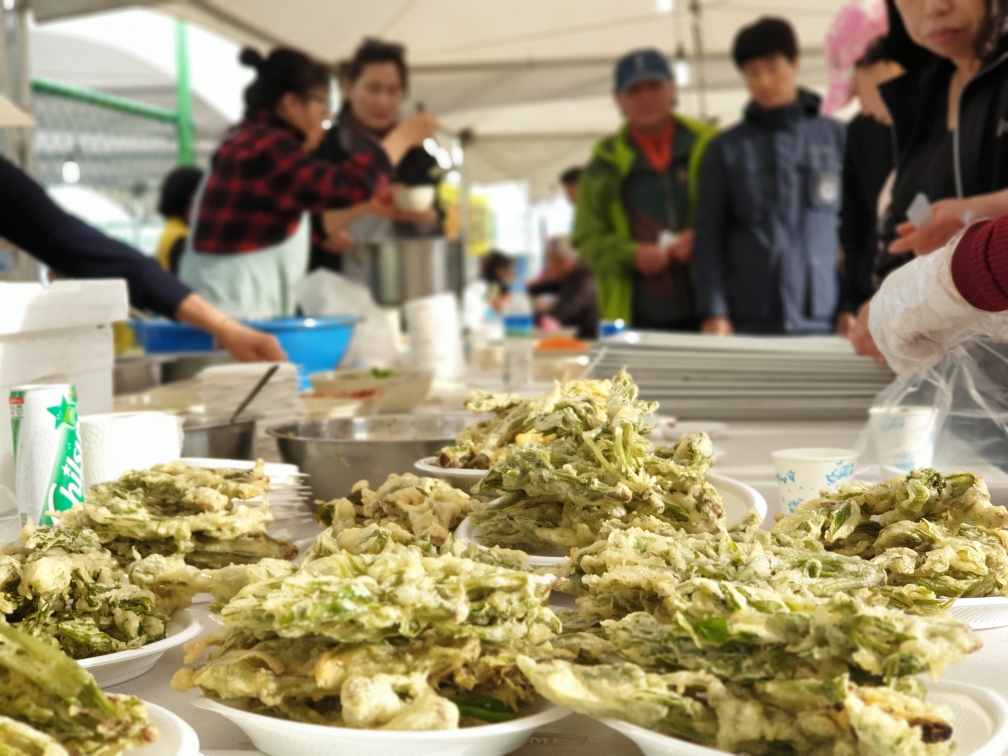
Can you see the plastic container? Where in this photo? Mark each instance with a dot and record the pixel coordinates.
(803, 473)
(166, 336)
(518, 344)
(609, 328)
(313, 344)
(904, 436)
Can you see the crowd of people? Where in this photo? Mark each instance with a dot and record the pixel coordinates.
(790, 222)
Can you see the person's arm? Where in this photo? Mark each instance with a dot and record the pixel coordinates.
(948, 217)
(594, 236)
(711, 243)
(940, 300)
(36, 224)
(855, 228)
(68, 245)
(241, 342)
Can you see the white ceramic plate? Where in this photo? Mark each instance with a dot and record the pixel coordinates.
(121, 666)
(176, 738)
(982, 613)
(979, 724)
(738, 499)
(281, 737)
(463, 480)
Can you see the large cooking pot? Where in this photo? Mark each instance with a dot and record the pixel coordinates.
(337, 453)
(401, 269)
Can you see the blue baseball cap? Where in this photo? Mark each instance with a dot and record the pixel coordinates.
(637, 65)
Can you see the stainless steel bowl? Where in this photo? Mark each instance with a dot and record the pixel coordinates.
(337, 453)
(215, 437)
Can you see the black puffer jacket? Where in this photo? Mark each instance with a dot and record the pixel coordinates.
(979, 142)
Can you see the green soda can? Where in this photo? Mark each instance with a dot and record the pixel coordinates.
(48, 460)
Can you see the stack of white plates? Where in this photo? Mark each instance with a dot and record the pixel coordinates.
(289, 492)
(746, 377)
(223, 387)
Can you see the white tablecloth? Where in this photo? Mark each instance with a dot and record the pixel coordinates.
(747, 449)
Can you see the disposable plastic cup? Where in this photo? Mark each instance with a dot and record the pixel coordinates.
(803, 473)
(903, 437)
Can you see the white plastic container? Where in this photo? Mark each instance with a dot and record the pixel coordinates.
(903, 437)
(56, 334)
(518, 339)
(802, 473)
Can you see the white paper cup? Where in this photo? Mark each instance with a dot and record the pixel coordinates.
(803, 473)
(903, 437)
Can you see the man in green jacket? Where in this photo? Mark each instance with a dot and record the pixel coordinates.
(637, 200)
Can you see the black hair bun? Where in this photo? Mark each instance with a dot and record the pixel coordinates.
(252, 58)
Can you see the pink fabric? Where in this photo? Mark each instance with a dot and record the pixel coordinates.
(855, 27)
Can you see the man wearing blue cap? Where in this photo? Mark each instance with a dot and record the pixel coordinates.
(767, 226)
(637, 200)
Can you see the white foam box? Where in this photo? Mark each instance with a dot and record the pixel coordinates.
(58, 333)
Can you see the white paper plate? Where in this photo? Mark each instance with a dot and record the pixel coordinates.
(281, 737)
(463, 480)
(981, 613)
(121, 666)
(176, 738)
(979, 724)
(738, 499)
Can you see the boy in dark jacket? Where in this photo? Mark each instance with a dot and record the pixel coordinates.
(766, 251)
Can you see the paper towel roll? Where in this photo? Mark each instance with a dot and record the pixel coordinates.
(120, 441)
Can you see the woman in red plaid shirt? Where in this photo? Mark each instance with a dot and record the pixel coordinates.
(250, 235)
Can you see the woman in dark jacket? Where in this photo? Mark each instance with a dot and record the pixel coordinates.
(374, 83)
(950, 116)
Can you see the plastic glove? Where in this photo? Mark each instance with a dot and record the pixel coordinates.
(918, 313)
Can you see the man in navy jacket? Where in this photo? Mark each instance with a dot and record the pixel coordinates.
(766, 253)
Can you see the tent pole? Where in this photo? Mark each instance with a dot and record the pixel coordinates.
(183, 97)
(695, 23)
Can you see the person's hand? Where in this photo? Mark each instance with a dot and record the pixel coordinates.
(860, 337)
(717, 325)
(681, 250)
(410, 133)
(918, 314)
(382, 202)
(948, 217)
(844, 322)
(649, 259)
(338, 243)
(247, 344)
(416, 217)
(418, 127)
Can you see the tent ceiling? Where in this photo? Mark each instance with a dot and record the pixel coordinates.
(530, 79)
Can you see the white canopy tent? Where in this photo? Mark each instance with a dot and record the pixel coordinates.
(528, 79)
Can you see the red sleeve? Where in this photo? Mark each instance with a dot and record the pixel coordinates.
(302, 181)
(980, 265)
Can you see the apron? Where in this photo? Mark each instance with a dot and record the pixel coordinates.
(248, 285)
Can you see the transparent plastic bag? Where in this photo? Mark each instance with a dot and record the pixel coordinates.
(374, 344)
(953, 416)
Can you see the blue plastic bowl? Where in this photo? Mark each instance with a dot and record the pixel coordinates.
(312, 344)
(161, 336)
